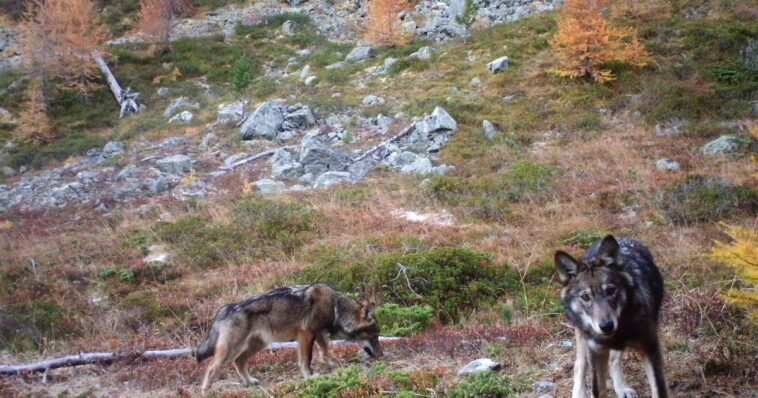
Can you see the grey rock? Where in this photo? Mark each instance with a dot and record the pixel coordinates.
(331, 178)
(285, 167)
(421, 165)
(749, 55)
(113, 149)
(86, 175)
(304, 52)
(668, 165)
(287, 28)
(300, 118)
(490, 130)
(265, 122)
(544, 386)
(305, 72)
(360, 54)
(318, 158)
(371, 100)
(231, 113)
(185, 117)
(442, 170)
(310, 80)
(295, 3)
(423, 53)
(128, 172)
(163, 91)
(672, 130)
(181, 103)
(567, 344)
(173, 142)
(158, 254)
(209, 141)
(480, 366)
(336, 65)
(176, 164)
(409, 26)
(721, 146)
(439, 119)
(7, 171)
(267, 187)
(499, 65)
(476, 81)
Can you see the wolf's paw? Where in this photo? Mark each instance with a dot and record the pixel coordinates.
(251, 382)
(626, 393)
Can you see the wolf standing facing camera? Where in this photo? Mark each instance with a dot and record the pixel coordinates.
(613, 297)
(307, 314)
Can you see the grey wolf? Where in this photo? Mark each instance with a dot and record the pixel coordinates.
(308, 314)
(613, 299)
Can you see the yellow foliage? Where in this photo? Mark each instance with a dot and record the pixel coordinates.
(383, 25)
(742, 254)
(34, 125)
(586, 42)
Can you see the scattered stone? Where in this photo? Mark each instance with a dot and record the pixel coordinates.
(230, 160)
(567, 344)
(749, 55)
(113, 149)
(181, 103)
(305, 72)
(298, 117)
(360, 54)
(86, 175)
(158, 254)
(265, 122)
(7, 171)
(409, 26)
(287, 28)
(267, 187)
(304, 52)
(231, 113)
(545, 386)
(371, 100)
(331, 178)
(476, 82)
(176, 164)
(722, 146)
(162, 91)
(672, 130)
(421, 165)
(668, 165)
(439, 119)
(336, 65)
(480, 366)
(490, 130)
(185, 117)
(423, 53)
(442, 170)
(509, 98)
(310, 80)
(499, 65)
(209, 141)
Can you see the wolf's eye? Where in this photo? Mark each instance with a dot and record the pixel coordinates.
(610, 290)
(585, 297)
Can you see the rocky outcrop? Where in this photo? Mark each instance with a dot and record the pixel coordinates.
(272, 118)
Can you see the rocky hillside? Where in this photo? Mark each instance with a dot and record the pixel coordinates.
(437, 178)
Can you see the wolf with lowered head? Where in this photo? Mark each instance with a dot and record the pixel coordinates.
(307, 314)
(612, 298)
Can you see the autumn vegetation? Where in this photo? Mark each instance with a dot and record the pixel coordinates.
(587, 42)
(156, 17)
(383, 26)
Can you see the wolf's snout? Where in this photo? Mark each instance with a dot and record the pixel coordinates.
(607, 327)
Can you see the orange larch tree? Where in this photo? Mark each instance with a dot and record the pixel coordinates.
(156, 17)
(34, 125)
(383, 25)
(587, 42)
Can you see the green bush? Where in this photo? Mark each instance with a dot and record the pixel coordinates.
(484, 385)
(243, 74)
(403, 321)
(707, 199)
(583, 238)
(331, 385)
(450, 280)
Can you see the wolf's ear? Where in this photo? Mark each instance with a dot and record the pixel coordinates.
(367, 311)
(345, 315)
(608, 252)
(567, 266)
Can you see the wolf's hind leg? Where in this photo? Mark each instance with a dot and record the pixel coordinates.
(254, 346)
(617, 375)
(305, 340)
(580, 366)
(220, 357)
(325, 356)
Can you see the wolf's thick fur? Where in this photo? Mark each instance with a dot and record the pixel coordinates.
(613, 297)
(307, 314)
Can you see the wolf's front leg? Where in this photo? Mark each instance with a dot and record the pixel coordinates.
(305, 342)
(580, 366)
(325, 356)
(617, 375)
(599, 363)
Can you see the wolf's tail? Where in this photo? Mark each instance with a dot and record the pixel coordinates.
(207, 348)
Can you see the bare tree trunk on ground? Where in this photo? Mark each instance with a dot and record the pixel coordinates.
(127, 100)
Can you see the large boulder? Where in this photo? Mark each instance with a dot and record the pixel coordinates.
(113, 149)
(179, 104)
(331, 178)
(176, 164)
(439, 119)
(360, 54)
(420, 165)
(298, 117)
(722, 146)
(231, 113)
(490, 130)
(265, 122)
(184, 117)
(284, 166)
(480, 366)
(267, 187)
(318, 158)
(423, 53)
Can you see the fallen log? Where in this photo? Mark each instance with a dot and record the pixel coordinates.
(254, 157)
(396, 137)
(127, 99)
(105, 358)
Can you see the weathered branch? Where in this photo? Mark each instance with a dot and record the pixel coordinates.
(255, 157)
(127, 100)
(104, 358)
(396, 137)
